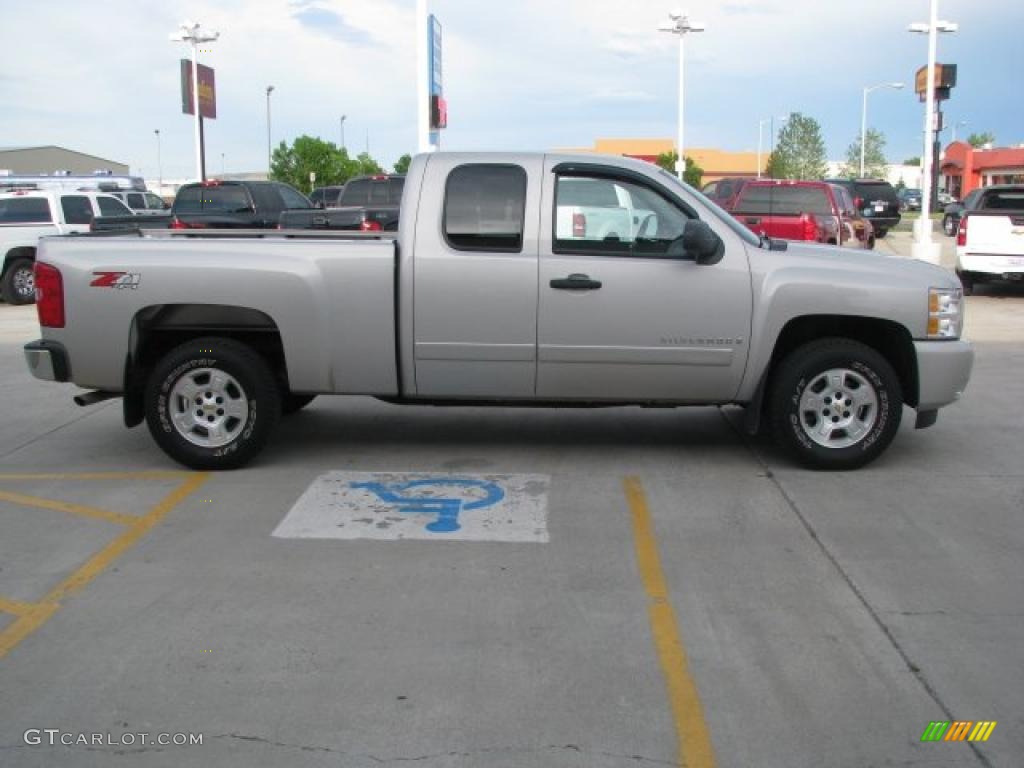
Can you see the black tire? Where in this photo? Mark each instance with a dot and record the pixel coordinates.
(293, 403)
(880, 233)
(18, 286)
(800, 369)
(250, 377)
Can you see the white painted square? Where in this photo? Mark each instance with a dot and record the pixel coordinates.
(404, 505)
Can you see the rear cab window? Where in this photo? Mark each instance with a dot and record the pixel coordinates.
(396, 185)
(25, 210)
(769, 200)
(355, 193)
(485, 207)
(1003, 200)
(222, 198)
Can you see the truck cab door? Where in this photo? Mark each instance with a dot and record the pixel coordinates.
(475, 278)
(635, 319)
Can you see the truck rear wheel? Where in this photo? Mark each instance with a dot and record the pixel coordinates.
(19, 282)
(212, 403)
(835, 404)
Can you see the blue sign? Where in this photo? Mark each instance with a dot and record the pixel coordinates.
(446, 509)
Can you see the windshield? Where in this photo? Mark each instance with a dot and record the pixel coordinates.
(213, 199)
(745, 234)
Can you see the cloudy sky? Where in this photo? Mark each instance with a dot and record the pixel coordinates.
(520, 74)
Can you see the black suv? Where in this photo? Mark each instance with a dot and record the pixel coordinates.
(876, 200)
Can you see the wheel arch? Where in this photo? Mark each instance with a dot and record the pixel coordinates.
(157, 329)
(18, 252)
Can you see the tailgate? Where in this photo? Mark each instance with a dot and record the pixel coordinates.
(782, 227)
(996, 233)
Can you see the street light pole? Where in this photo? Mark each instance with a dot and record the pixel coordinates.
(270, 90)
(343, 130)
(957, 125)
(678, 24)
(760, 130)
(189, 32)
(864, 118)
(159, 162)
(923, 247)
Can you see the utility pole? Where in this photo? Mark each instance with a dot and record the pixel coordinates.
(681, 25)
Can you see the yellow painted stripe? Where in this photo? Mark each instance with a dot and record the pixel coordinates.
(983, 730)
(154, 474)
(81, 510)
(16, 607)
(29, 623)
(692, 735)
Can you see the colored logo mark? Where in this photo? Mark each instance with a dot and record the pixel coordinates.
(446, 509)
(958, 730)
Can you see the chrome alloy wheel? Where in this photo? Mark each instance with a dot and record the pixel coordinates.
(25, 282)
(838, 408)
(208, 407)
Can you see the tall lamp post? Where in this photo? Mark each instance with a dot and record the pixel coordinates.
(864, 117)
(270, 90)
(956, 125)
(342, 123)
(159, 162)
(760, 129)
(678, 24)
(923, 247)
(190, 33)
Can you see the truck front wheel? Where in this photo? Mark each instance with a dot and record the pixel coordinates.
(212, 403)
(835, 404)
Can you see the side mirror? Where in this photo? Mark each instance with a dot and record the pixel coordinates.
(701, 242)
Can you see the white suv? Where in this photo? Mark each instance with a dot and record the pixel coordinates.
(29, 214)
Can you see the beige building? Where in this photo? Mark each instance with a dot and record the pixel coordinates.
(47, 159)
(717, 163)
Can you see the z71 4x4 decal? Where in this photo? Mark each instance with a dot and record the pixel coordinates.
(119, 280)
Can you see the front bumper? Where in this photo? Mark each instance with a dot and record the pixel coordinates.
(943, 369)
(47, 360)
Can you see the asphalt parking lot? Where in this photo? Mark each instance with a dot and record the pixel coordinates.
(687, 597)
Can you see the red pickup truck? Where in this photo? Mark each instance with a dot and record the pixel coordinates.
(802, 210)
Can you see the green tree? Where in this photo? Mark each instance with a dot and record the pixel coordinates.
(331, 165)
(693, 173)
(800, 151)
(874, 157)
(912, 161)
(980, 139)
(402, 164)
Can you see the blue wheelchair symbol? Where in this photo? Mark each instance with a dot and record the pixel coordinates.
(446, 509)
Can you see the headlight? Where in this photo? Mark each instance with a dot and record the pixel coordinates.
(945, 313)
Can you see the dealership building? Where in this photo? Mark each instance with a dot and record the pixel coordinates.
(716, 163)
(965, 168)
(50, 159)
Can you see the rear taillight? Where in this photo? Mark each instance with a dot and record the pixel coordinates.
(49, 295)
(368, 225)
(858, 202)
(809, 227)
(579, 225)
(961, 233)
(177, 223)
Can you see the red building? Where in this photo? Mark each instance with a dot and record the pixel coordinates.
(965, 168)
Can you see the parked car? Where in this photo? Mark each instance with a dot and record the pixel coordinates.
(951, 213)
(366, 203)
(802, 210)
(29, 214)
(480, 300)
(876, 200)
(325, 197)
(724, 191)
(910, 199)
(219, 205)
(945, 198)
(990, 237)
(142, 203)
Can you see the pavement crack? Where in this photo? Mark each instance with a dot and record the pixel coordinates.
(850, 583)
(451, 753)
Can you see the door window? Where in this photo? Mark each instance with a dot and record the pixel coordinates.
(614, 217)
(484, 208)
(111, 206)
(76, 208)
(291, 198)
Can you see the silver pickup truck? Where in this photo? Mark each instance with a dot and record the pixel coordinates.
(487, 296)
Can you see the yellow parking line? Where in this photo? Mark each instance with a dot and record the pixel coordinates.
(73, 509)
(35, 618)
(16, 607)
(149, 474)
(693, 739)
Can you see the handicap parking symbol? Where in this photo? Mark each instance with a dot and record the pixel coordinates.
(420, 505)
(408, 498)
